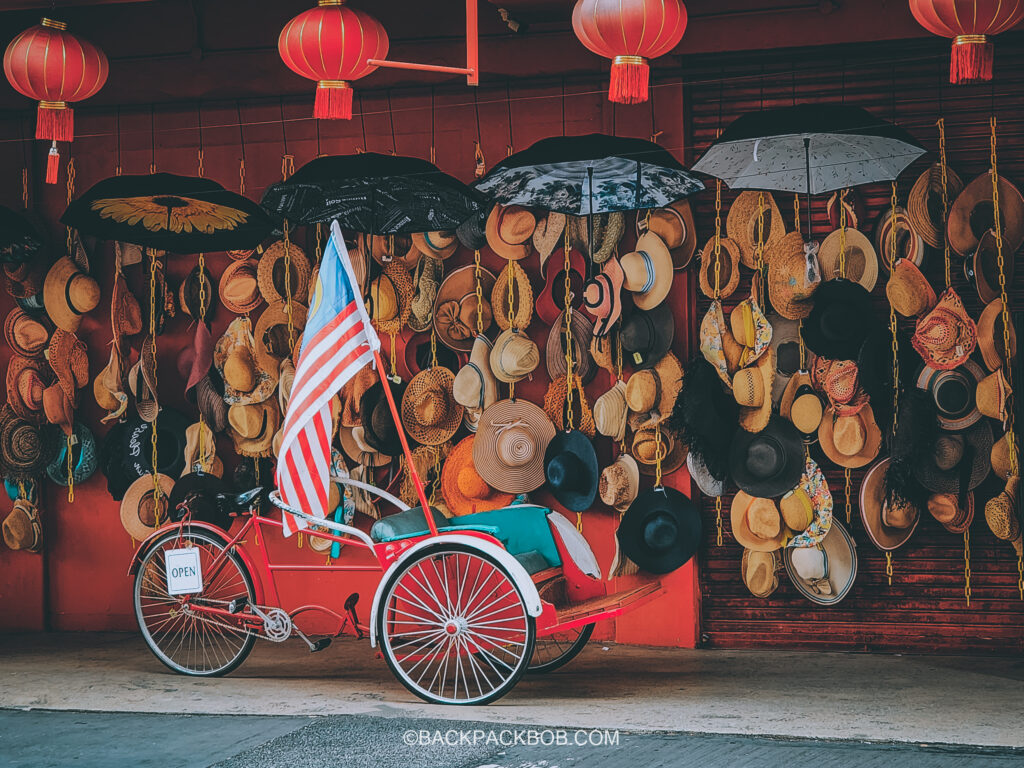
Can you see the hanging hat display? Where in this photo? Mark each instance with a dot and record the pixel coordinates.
(25, 448)
(437, 245)
(959, 461)
(188, 294)
(647, 336)
(475, 386)
(136, 445)
(27, 335)
(245, 381)
(426, 278)
(557, 406)
(513, 357)
(551, 300)
(610, 412)
(84, 458)
(909, 291)
(602, 297)
(982, 267)
(954, 511)
(807, 509)
(990, 337)
(840, 321)
(522, 298)
(379, 429)
(1002, 515)
(752, 390)
(26, 380)
(661, 530)
(607, 229)
(252, 427)
(271, 335)
(653, 391)
(509, 447)
(23, 528)
(909, 243)
(581, 331)
(756, 523)
(972, 215)
(741, 224)
(141, 513)
(767, 463)
(953, 394)
(861, 258)
(758, 571)
(793, 276)
(270, 272)
(647, 271)
(786, 345)
(850, 440)
(455, 309)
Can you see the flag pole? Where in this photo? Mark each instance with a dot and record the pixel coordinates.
(410, 467)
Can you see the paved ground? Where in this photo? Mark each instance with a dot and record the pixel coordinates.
(933, 700)
(38, 739)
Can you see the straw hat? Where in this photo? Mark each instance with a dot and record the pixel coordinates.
(647, 271)
(511, 439)
(752, 390)
(69, 293)
(993, 396)
(610, 411)
(353, 443)
(793, 276)
(608, 229)
(522, 302)
(741, 224)
(352, 394)
(946, 336)
(270, 273)
(429, 411)
(850, 440)
(426, 278)
(807, 510)
(25, 448)
(252, 427)
(26, 380)
(140, 513)
(729, 274)
(971, 215)
(1000, 456)
(953, 393)
(647, 336)
(801, 405)
(958, 461)
(27, 335)
(909, 291)
(514, 356)
(861, 258)
(462, 487)
(645, 450)
(602, 297)
(245, 381)
(390, 295)
(551, 300)
(767, 463)
(475, 386)
(674, 225)
(825, 573)
(205, 459)
(990, 336)
(758, 571)
(271, 335)
(655, 389)
(455, 309)
(556, 405)
(581, 331)
(23, 528)
(619, 483)
(889, 524)
(548, 235)
(239, 287)
(982, 269)
(956, 517)
(189, 290)
(1002, 515)
(69, 359)
(751, 330)
(437, 245)
(510, 231)
(757, 523)
(909, 243)
(924, 206)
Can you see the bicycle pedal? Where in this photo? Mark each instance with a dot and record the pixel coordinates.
(238, 604)
(320, 644)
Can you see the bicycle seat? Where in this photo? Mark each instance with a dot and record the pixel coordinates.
(240, 500)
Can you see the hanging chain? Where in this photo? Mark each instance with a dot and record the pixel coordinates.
(847, 492)
(241, 176)
(1020, 575)
(71, 196)
(288, 287)
(71, 471)
(945, 198)
(718, 238)
(24, 188)
(318, 249)
(759, 250)
(888, 566)
(800, 345)
(796, 212)
(660, 452)
(893, 324)
(433, 347)
(287, 166)
(718, 521)
(842, 234)
(393, 361)
(567, 315)
(511, 315)
(479, 293)
(152, 335)
(967, 566)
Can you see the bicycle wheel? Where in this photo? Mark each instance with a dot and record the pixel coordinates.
(454, 628)
(553, 651)
(187, 642)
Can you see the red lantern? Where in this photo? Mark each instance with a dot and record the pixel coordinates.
(49, 64)
(629, 32)
(331, 44)
(970, 23)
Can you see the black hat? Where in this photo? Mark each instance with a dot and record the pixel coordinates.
(705, 416)
(647, 335)
(170, 436)
(660, 531)
(570, 466)
(841, 319)
(472, 233)
(958, 462)
(205, 506)
(112, 453)
(768, 463)
(379, 428)
(953, 393)
(244, 477)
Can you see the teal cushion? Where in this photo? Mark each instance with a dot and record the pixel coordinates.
(402, 524)
(522, 528)
(533, 561)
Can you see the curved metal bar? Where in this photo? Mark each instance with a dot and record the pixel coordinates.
(402, 506)
(322, 522)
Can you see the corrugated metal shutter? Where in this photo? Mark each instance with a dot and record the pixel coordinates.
(925, 608)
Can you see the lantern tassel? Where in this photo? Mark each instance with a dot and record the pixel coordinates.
(333, 100)
(629, 81)
(971, 59)
(55, 121)
(53, 164)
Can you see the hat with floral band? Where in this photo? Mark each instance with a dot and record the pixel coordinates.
(807, 509)
(741, 223)
(510, 231)
(751, 330)
(824, 573)
(270, 272)
(239, 287)
(462, 487)
(674, 225)
(946, 336)
(718, 345)
(455, 309)
(647, 271)
(234, 357)
(522, 297)
(429, 411)
(509, 447)
(27, 335)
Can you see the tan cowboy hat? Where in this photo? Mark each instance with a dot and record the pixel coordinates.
(140, 512)
(757, 523)
(429, 411)
(971, 215)
(861, 258)
(271, 334)
(619, 484)
(510, 231)
(741, 224)
(548, 235)
(889, 524)
(909, 291)
(850, 440)
(647, 271)
(270, 273)
(27, 378)
(514, 356)
(924, 206)
(455, 309)
(439, 245)
(69, 293)
(752, 390)
(508, 451)
(522, 297)
(655, 389)
(758, 571)
(674, 225)
(252, 427)
(27, 335)
(792, 280)
(23, 528)
(462, 487)
(234, 357)
(610, 412)
(990, 336)
(239, 288)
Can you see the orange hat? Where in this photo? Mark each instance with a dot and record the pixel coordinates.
(463, 489)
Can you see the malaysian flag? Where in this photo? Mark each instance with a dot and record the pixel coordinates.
(337, 342)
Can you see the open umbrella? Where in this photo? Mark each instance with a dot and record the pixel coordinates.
(20, 241)
(809, 148)
(580, 175)
(374, 193)
(181, 214)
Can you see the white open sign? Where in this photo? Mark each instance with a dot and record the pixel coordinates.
(184, 573)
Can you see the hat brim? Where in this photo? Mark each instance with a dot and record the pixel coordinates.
(872, 499)
(527, 477)
(582, 496)
(650, 504)
(741, 530)
(787, 440)
(872, 439)
(842, 559)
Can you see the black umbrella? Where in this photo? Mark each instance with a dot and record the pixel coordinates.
(181, 214)
(378, 194)
(20, 241)
(809, 148)
(580, 175)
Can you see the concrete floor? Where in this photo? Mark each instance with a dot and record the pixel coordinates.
(954, 700)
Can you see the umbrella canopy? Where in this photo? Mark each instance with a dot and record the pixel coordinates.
(579, 175)
(19, 240)
(181, 214)
(374, 193)
(809, 148)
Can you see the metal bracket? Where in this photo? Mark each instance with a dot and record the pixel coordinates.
(472, 68)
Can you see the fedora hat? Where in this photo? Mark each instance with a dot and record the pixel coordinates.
(437, 245)
(661, 531)
(429, 411)
(136, 444)
(245, 381)
(23, 528)
(909, 291)
(581, 331)
(972, 215)
(751, 330)
(475, 386)
(909, 243)
(728, 272)
(141, 513)
(252, 427)
(654, 390)
(201, 490)
(786, 345)
(993, 396)
(889, 522)
(271, 335)
(958, 461)
(455, 310)
(861, 258)
(1002, 515)
(767, 463)
(850, 440)
(955, 512)
(946, 336)
(752, 390)
(990, 337)
(953, 393)
(602, 297)
(647, 271)
(200, 454)
(647, 336)
(825, 573)
(270, 272)
(548, 235)
(608, 229)
(514, 356)
(619, 483)
(708, 484)
(379, 429)
(741, 224)
(59, 408)
(551, 300)
(25, 448)
(509, 231)
(556, 405)
(511, 440)
(69, 293)
(674, 225)
(426, 278)
(189, 294)
(610, 411)
(757, 523)
(924, 206)
(462, 487)
(570, 466)
(840, 320)
(801, 405)
(982, 268)
(758, 571)
(793, 276)
(84, 457)
(807, 509)
(522, 298)
(239, 287)
(26, 380)
(27, 335)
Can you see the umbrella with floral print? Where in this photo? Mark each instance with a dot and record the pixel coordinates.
(181, 214)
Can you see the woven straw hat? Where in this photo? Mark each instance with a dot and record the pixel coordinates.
(610, 411)
(909, 291)
(69, 359)
(522, 301)
(752, 390)
(508, 451)
(239, 287)
(990, 336)
(438, 245)
(556, 405)
(1000, 456)
(245, 380)
(25, 448)
(647, 271)
(741, 224)
(548, 235)
(801, 405)
(464, 490)
(729, 273)
(26, 380)
(475, 386)
(270, 273)
(430, 413)
(861, 258)
(674, 225)
(758, 571)
(140, 513)
(390, 298)
(619, 483)
(514, 356)
(27, 335)
(850, 440)
(946, 336)
(510, 231)
(793, 277)
(608, 229)
(645, 450)
(757, 523)
(947, 509)
(69, 293)
(1002, 515)
(426, 277)
(271, 335)
(655, 389)
(924, 206)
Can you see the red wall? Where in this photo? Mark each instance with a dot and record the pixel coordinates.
(80, 582)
